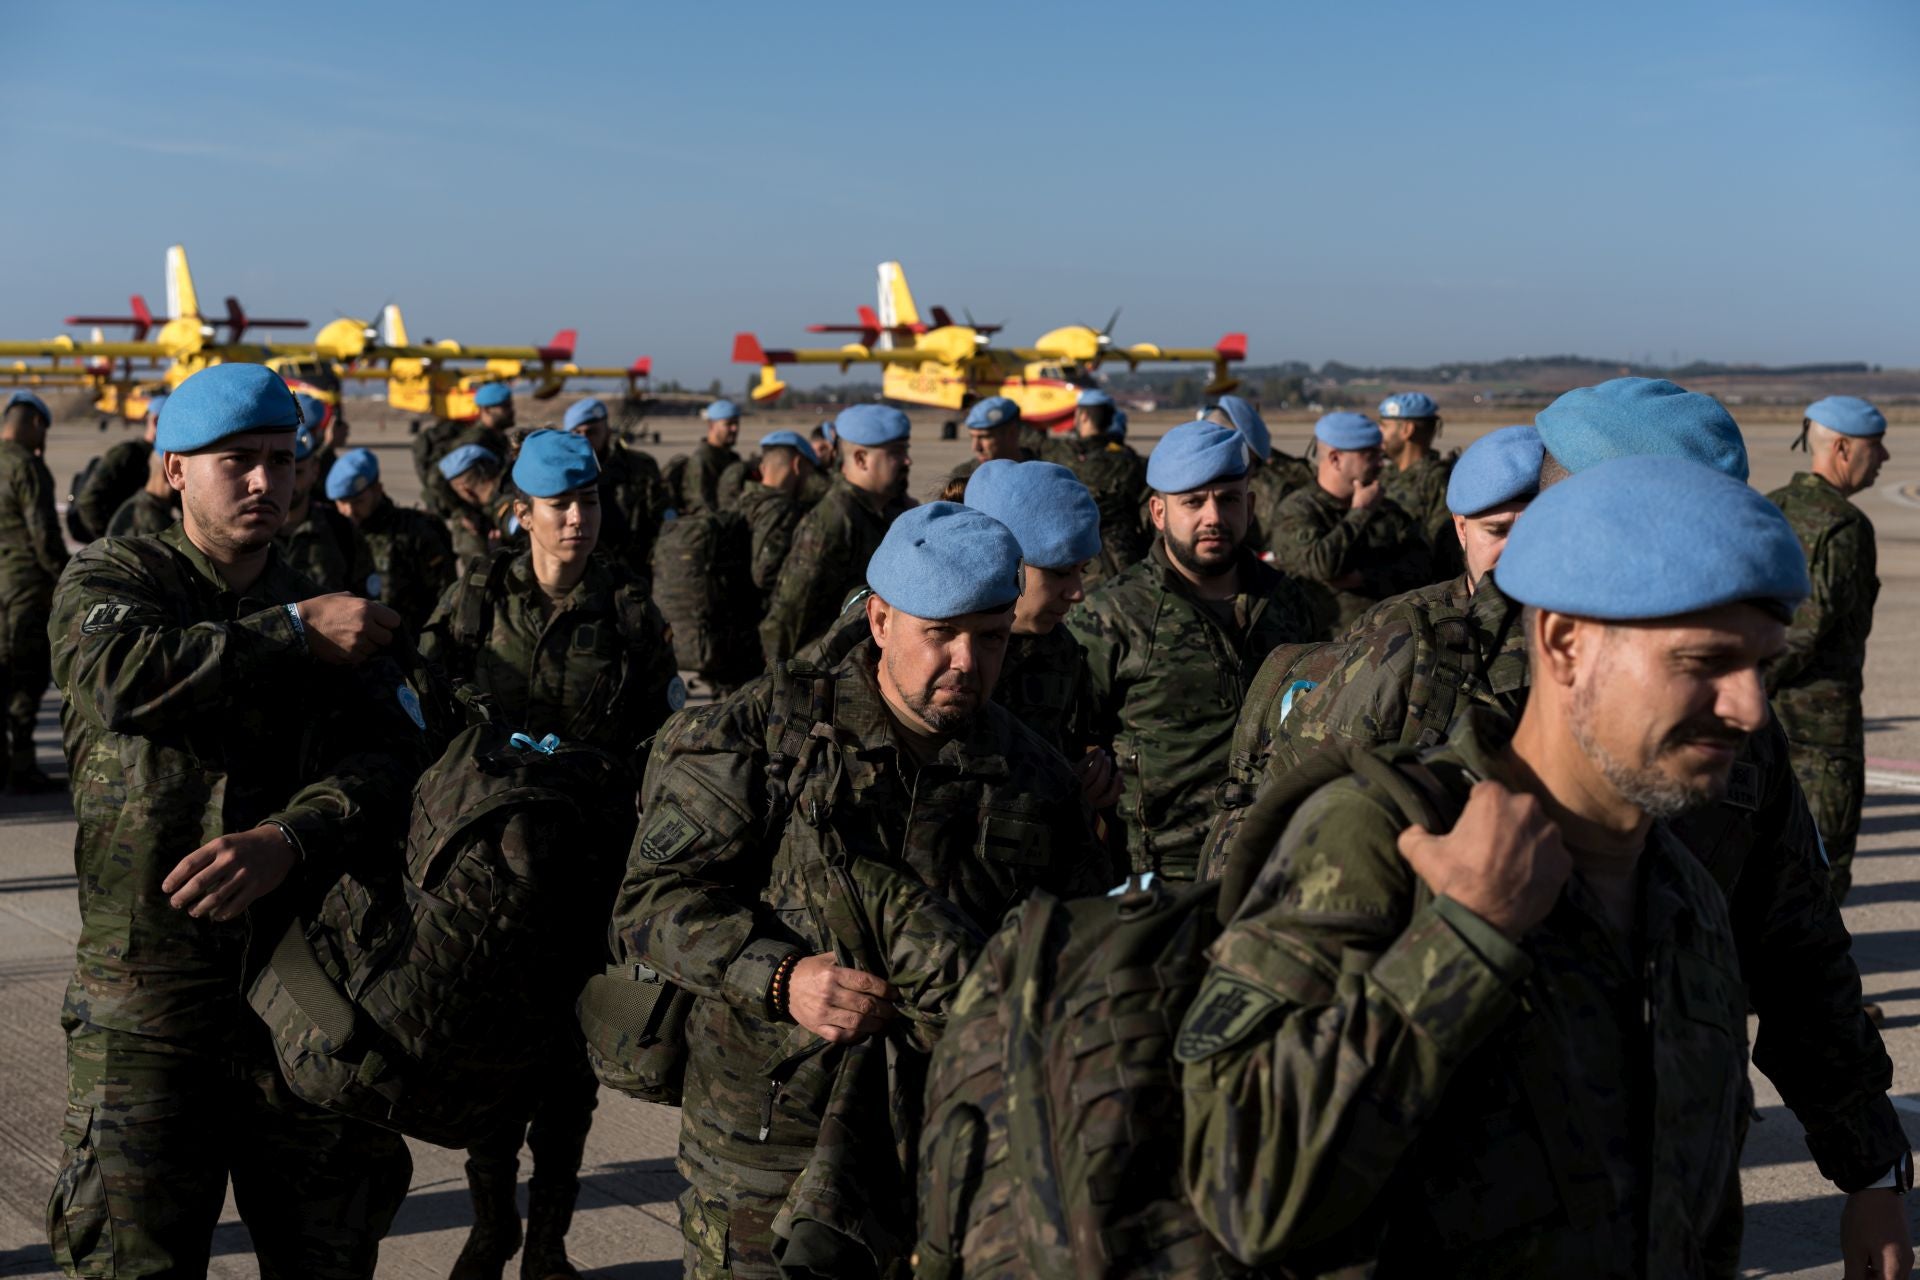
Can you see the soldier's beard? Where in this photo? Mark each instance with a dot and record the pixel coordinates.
(951, 718)
(1655, 793)
(1187, 554)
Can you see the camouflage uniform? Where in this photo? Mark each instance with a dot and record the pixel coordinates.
(633, 497)
(326, 550)
(1168, 673)
(1421, 492)
(1371, 1071)
(772, 516)
(828, 562)
(435, 443)
(1268, 484)
(120, 473)
(1816, 686)
(412, 557)
(700, 481)
(1116, 476)
(1814, 1043)
(728, 878)
(478, 536)
(193, 710)
(1319, 537)
(142, 514)
(32, 554)
(814, 488)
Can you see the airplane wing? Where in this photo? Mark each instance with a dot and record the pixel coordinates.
(57, 348)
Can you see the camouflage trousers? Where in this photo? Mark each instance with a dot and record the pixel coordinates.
(26, 669)
(554, 1131)
(1835, 782)
(155, 1128)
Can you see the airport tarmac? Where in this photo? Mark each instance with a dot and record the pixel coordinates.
(626, 1226)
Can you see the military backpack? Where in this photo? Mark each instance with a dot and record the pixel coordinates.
(1054, 1129)
(420, 997)
(703, 586)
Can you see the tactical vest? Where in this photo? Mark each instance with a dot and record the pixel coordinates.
(422, 1001)
(1053, 1135)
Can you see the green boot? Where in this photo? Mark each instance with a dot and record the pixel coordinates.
(496, 1222)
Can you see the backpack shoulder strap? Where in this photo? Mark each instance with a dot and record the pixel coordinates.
(1444, 660)
(803, 702)
(473, 619)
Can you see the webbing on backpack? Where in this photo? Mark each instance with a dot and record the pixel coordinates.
(1029, 1146)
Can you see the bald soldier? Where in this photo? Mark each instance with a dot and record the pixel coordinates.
(1490, 1024)
(833, 541)
(32, 554)
(1173, 642)
(232, 737)
(1415, 476)
(821, 855)
(1815, 1043)
(1342, 533)
(1817, 686)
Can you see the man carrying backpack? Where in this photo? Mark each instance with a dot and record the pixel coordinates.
(764, 816)
(1515, 1047)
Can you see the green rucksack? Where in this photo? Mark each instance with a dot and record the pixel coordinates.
(703, 585)
(1054, 1129)
(419, 996)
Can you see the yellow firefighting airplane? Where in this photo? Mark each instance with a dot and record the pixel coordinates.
(949, 366)
(435, 378)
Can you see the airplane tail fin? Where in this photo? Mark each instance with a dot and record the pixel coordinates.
(561, 348)
(140, 313)
(393, 330)
(896, 302)
(181, 298)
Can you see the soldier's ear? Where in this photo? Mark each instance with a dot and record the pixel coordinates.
(1157, 509)
(879, 619)
(1558, 642)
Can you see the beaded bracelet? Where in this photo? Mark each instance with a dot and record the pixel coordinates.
(781, 992)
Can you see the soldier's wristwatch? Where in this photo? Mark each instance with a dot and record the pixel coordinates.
(1898, 1179)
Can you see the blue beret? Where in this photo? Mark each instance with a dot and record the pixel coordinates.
(313, 410)
(1652, 536)
(1641, 416)
(225, 400)
(156, 402)
(492, 394)
(1849, 415)
(1247, 421)
(1052, 515)
(722, 411)
(1347, 431)
(304, 442)
(1195, 454)
(554, 462)
(1092, 398)
(27, 397)
(872, 424)
(940, 560)
(581, 412)
(994, 411)
(1500, 467)
(1409, 404)
(350, 476)
(790, 440)
(459, 461)
(828, 431)
(1118, 427)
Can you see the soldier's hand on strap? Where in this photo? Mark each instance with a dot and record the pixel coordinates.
(222, 879)
(841, 1006)
(1099, 780)
(1503, 860)
(344, 629)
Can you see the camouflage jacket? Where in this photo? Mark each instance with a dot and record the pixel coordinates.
(828, 561)
(1421, 492)
(772, 517)
(814, 488)
(120, 473)
(1371, 1068)
(1116, 476)
(412, 560)
(142, 514)
(1168, 675)
(700, 481)
(1817, 683)
(193, 711)
(1319, 538)
(633, 499)
(435, 443)
(1759, 844)
(32, 550)
(478, 536)
(1045, 685)
(326, 550)
(733, 872)
(597, 667)
(1268, 485)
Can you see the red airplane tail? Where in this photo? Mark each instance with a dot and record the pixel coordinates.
(1232, 347)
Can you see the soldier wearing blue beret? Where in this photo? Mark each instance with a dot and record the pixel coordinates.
(1114, 473)
(1273, 474)
(895, 747)
(995, 430)
(698, 476)
(1498, 951)
(1629, 416)
(32, 555)
(233, 732)
(316, 539)
(476, 477)
(1416, 473)
(1818, 686)
(1342, 533)
(113, 479)
(834, 540)
(1173, 641)
(634, 498)
(412, 553)
(493, 419)
(154, 506)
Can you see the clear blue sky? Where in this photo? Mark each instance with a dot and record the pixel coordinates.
(1386, 182)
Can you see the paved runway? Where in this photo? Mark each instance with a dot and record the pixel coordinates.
(626, 1225)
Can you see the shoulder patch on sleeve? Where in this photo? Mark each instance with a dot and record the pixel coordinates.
(1226, 1009)
(669, 833)
(104, 616)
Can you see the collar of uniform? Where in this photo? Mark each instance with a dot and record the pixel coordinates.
(854, 493)
(861, 709)
(1257, 577)
(592, 583)
(1818, 483)
(265, 587)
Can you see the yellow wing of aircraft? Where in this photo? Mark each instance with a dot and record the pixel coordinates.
(949, 366)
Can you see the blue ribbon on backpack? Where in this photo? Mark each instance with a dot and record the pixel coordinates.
(546, 746)
(1294, 690)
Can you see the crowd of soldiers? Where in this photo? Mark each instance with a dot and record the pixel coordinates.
(1493, 1023)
